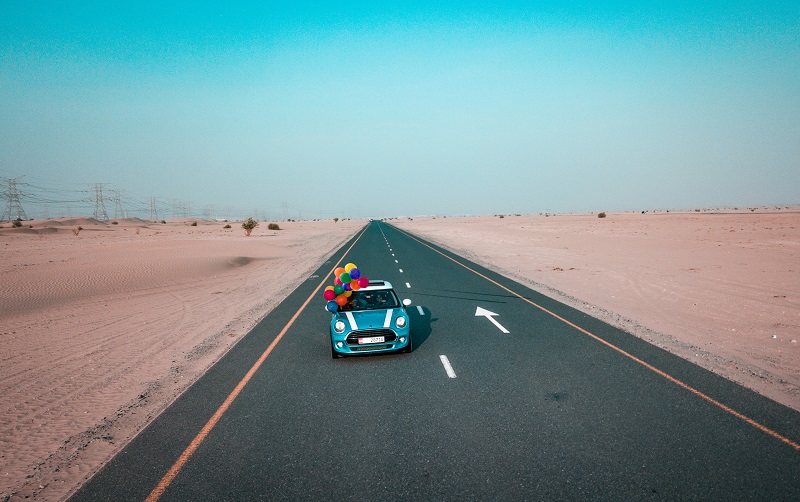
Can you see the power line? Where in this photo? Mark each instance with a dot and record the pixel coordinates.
(43, 201)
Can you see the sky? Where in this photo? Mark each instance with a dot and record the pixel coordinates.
(319, 110)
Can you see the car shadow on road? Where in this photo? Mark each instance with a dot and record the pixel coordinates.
(421, 325)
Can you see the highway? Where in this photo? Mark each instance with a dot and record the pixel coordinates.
(508, 395)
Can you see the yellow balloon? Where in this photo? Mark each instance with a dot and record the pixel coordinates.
(347, 293)
(349, 267)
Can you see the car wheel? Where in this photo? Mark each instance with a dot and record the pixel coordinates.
(410, 345)
(334, 354)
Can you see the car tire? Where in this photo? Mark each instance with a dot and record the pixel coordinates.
(410, 345)
(334, 354)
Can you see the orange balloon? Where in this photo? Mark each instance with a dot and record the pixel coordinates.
(354, 285)
(339, 271)
(341, 300)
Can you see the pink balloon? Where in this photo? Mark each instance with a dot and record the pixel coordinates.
(329, 294)
(337, 281)
(363, 282)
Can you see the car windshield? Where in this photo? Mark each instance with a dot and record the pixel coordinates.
(372, 300)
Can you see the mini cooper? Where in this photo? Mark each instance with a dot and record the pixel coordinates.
(372, 321)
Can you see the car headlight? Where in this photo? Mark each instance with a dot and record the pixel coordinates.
(339, 326)
(400, 322)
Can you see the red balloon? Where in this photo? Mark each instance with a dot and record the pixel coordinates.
(363, 282)
(337, 282)
(329, 294)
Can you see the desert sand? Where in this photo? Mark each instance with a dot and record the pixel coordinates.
(103, 329)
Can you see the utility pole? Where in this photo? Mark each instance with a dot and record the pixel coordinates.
(13, 206)
(99, 204)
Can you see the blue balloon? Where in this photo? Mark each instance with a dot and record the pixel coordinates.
(354, 273)
(332, 307)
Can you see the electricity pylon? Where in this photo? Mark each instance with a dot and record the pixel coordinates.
(99, 204)
(153, 212)
(13, 206)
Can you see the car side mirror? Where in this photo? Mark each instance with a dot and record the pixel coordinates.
(406, 302)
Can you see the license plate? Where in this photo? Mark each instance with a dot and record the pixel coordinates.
(373, 339)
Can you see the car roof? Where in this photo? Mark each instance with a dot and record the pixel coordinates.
(377, 286)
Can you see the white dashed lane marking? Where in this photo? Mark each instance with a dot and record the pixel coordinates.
(408, 285)
(419, 309)
(447, 367)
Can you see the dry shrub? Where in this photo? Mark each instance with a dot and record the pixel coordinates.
(273, 226)
(601, 215)
(77, 230)
(248, 225)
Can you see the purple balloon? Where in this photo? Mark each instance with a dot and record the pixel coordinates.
(354, 273)
(347, 287)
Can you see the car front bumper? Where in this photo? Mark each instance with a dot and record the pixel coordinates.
(368, 341)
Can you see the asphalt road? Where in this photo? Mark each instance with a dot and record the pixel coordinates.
(562, 407)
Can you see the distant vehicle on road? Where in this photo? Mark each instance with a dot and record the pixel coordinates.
(372, 321)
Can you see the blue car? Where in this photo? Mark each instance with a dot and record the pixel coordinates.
(372, 321)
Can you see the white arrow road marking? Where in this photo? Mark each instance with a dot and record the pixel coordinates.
(447, 367)
(487, 314)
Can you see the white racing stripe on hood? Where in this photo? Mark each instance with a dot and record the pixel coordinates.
(388, 319)
(352, 320)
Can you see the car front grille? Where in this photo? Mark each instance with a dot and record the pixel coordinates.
(359, 348)
(387, 334)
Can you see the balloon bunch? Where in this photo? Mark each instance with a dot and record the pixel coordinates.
(346, 280)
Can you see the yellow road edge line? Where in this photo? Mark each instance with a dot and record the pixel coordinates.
(647, 365)
(161, 487)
